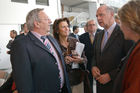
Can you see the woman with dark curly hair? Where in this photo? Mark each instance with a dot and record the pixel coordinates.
(75, 64)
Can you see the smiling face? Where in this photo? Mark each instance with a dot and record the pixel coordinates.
(63, 29)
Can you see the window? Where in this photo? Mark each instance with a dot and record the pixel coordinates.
(20, 1)
(42, 2)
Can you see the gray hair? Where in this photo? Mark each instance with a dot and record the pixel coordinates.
(89, 21)
(110, 9)
(33, 16)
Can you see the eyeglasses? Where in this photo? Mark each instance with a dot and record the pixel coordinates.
(91, 24)
(45, 19)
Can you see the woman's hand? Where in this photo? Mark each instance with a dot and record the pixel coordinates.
(77, 59)
(68, 59)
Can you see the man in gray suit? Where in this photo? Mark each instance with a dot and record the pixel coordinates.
(37, 62)
(109, 48)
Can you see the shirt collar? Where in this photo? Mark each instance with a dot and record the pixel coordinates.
(110, 30)
(37, 35)
(92, 33)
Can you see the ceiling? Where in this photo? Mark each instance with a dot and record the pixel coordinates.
(84, 3)
(75, 3)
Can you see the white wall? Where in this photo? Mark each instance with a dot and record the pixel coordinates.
(4, 39)
(15, 13)
(12, 15)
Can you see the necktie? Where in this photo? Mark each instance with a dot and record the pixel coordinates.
(91, 38)
(76, 37)
(43, 38)
(105, 39)
(54, 53)
(47, 43)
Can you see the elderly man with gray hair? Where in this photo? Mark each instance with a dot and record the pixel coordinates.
(109, 48)
(37, 62)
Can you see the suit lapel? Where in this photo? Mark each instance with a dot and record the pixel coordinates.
(57, 47)
(54, 43)
(88, 38)
(37, 42)
(112, 37)
(99, 40)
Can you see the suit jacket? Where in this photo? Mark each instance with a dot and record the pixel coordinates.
(19, 36)
(35, 69)
(73, 35)
(131, 80)
(89, 48)
(108, 60)
(117, 87)
(9, 44)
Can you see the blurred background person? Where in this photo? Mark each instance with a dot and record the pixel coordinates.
(13, 34)
(87, 38)
(75, 32)
(24, 31)
(75, 64)
(117, 19)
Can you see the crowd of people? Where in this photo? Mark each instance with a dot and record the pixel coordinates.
(45, 63)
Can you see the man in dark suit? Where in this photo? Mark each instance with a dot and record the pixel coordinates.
(37, 62)
(88, 38)
(13, 34)
(109, 48)
(75, 32)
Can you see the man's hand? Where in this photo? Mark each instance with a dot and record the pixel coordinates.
(104, 78)
(15, 91)
(95, 72)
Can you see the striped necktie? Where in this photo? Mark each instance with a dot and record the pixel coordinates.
(47, 43)
(52, 50)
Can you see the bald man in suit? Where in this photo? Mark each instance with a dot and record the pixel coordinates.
(109, 48)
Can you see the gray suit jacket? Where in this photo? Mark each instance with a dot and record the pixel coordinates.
(108, 60)
(35, 69)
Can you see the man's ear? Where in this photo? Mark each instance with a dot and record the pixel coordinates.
(36, 24)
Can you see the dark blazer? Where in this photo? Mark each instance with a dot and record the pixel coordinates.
(19, 36)
(84, 38)
(89, 50)
(35, 69)
(108, 60)
(9, 44)
(72, 35)
(117, 87)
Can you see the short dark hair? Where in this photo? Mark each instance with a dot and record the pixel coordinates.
(74, 28)
(14, 32)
